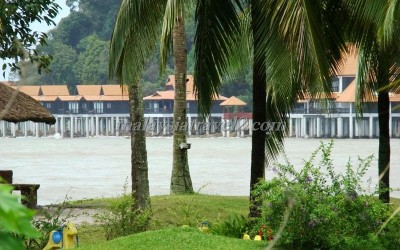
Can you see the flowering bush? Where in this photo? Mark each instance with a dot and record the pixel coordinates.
(325, 209)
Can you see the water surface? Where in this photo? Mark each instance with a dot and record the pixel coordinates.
(99, 167)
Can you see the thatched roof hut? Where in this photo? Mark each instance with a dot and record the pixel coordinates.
(16, 106)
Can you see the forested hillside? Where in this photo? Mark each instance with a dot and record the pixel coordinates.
(79, 45)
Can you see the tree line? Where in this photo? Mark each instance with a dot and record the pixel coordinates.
(79, 48)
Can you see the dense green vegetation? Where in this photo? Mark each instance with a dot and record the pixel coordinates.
(79, 45)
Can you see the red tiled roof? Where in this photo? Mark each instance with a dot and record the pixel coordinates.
(233, 101)
(54, 90)
(91, 97)
(88, 90)
(349, 94)
(161, 95)
(114, 98)
(43, 98)
(70, 98)
(29, 90)
(394, 97)
(114, 89)
(348, 66)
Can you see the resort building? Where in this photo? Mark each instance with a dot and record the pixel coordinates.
(103, 110)
(335, 117)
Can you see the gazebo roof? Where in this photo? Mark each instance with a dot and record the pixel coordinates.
(233, 101)
(16, 106)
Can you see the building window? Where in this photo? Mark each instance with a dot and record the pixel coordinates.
(335, 84)
(109, 105)
(84, 105)
(48, 105)
(346, 82)
(98, 107)
(73, 107)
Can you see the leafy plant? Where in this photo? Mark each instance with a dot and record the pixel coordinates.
(186, 212)
(121, 220)
(235, 226)
(330, 210)
(14, 221)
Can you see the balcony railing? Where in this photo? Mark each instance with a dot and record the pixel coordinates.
(322, 111)
(158, 111)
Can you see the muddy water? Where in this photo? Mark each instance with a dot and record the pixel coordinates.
(99, 167)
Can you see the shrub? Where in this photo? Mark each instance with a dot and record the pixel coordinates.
(121, 220)
(330, 210)
(235, 226)
(186, 211)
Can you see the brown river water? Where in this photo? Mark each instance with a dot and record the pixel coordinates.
(98, 167)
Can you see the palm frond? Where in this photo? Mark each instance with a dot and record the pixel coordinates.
(303, 44)
(364, 18)
(173, 10)
(134, 37)
(364, 80)
(217, 24)
(275, 139)
(391, 26)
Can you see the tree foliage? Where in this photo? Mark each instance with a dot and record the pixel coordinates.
(90, 23)
(92, 64)
(17, 39)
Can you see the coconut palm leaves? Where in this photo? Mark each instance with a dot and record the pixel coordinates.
(372, 25)
(217, 29)
(296, 46)
(133, 40)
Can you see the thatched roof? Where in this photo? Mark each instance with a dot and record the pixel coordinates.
(16, 106)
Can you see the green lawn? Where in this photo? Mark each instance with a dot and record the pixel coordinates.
(176, 238)
(171, 212)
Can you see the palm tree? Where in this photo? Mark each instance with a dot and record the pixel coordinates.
(296, 46)
(378, 65)
(174, 26)
(139, 25)
(133, 40)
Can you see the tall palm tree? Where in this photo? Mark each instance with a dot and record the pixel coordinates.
(133, 40)
(139, 25)
(174, 32)
(296, 46)
(378, 65)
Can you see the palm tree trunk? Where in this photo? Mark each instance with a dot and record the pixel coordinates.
(257, 171)
(180, 179)
(384, 146)
(140, 180)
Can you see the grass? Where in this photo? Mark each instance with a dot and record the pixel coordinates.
(176, 238)
(170, 212)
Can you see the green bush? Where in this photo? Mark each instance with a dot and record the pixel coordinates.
(329, 210)
(186, 211)
(14, 221)
(235, 226)
(121, 220)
